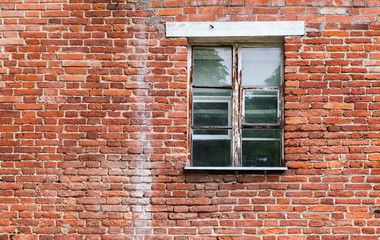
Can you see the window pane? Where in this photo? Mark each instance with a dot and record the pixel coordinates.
(261, 66)
(211, 107)
(212, 148)
(262, 133)
(260, 106)
(212, 66)
(261, 148)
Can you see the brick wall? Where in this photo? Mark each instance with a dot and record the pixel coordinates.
(93, 125)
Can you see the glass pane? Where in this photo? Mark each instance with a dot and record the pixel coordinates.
(261, 148)
(261, 66)
(212, 148)
(260, 106)
(212, 66)
(211, 107)
(274, 134)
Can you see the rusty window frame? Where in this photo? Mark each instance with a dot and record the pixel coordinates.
(237, 104)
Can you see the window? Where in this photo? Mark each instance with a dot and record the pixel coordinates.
(236, 102)
(236, 92)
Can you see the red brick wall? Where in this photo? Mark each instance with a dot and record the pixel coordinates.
(93, 125)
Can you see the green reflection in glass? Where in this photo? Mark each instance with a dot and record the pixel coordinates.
(211, 107)
(262, 133)
(212, 66)
(256, 153)
(222, 133)
(211, 92)
(260, 106)
(211, 148)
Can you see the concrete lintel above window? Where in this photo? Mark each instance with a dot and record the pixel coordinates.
(234, 29)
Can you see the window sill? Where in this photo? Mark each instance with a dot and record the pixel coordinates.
(238, 168)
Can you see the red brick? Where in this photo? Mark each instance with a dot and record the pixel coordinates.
(169, 11)
(94, 125)
(257, 2)
(346, 106)
(298, 3)
(25, 237)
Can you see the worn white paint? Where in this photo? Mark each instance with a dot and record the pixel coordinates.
(234, 29)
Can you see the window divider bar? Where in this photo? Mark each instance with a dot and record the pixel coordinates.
(236, 107)
(262, 139)
(263, 125)
(261, 88)
(211, 127)
(213, 87)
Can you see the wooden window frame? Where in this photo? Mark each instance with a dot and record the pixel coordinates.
(237, 103)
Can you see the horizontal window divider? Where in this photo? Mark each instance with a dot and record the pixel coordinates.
(261, 139)
(213, 87)
(236, 168)
(261, 126)
(262, 88)
(214, 99)
(211, 137)
(264, 95)
(210, 127)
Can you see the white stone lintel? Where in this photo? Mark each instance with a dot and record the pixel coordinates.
(234, 29)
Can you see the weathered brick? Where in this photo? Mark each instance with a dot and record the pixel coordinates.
(94, 129)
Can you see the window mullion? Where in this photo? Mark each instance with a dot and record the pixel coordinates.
(236, 109)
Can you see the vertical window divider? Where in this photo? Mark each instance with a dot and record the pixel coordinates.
(282, 102)
(190, 104)
(236, 109)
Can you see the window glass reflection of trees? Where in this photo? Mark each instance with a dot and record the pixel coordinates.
(212, 66)
(211, 107)
(260, 106)
(261, 66)
(212, 147)
(212, 72)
